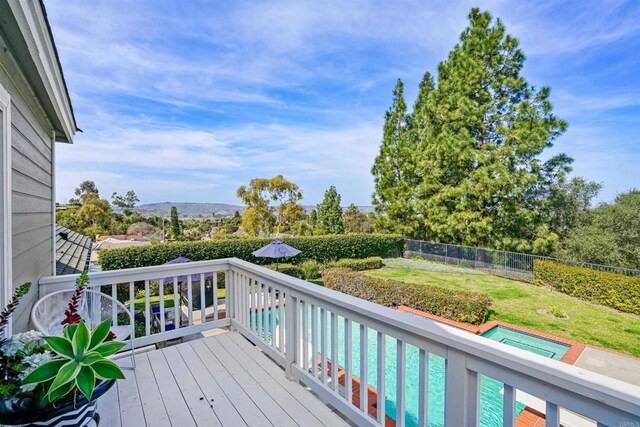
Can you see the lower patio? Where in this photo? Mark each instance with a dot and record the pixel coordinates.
(220, 379)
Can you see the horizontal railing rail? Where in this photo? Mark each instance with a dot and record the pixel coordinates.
(191, 287)
(368, 361)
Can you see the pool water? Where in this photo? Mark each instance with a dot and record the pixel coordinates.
(522, 340)
(490, 389)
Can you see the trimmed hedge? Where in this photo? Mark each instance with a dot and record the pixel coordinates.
(290, 269)
(461, 306)
(352, 264)
(319, 248)
(601, 287)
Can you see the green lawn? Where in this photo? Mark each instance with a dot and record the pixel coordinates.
(518, 303)
(138, 303)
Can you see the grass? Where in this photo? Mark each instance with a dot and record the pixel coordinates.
(138, 303)
(528, 305)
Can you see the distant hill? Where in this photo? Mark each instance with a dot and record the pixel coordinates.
(189, 209)
(196, 209)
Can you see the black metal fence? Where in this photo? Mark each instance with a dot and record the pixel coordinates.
(512, 265)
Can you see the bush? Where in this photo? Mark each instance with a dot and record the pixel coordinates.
(318, 248)
(461, 306)
(601, 287)
(310, 269)
(290, 269)
(352, 264)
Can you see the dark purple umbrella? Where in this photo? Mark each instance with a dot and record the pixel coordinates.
(181, 260)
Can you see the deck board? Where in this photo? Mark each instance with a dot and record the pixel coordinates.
(297, 411)
(322, 412)
(244, 377)
(131, 413)
(216, 380)
(197, 402)
(174, 402)
(221, 404)
(153, 406)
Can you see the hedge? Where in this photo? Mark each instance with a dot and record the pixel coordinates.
(320, 248)
(461, 306)
(311, 269)
(352, 264)
(290, 269)
(601, 287)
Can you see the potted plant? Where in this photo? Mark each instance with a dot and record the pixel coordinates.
(60, 380)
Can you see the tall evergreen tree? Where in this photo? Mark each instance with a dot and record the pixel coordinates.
(393, 170)
(329, 213)
(175, 223)
(479, 132)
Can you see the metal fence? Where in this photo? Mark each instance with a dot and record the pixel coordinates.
(512, 265)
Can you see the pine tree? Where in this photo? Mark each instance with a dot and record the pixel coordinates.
(394, 169)
(478, 133)
(175, 223)
(329, 213)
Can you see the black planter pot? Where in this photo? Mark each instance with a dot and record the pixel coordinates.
(82, 413)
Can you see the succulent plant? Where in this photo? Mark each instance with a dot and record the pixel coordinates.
(81, 358)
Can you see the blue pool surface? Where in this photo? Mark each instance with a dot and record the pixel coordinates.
(522, 340)
(490, 389)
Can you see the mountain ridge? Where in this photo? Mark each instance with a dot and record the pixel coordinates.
(187, 209)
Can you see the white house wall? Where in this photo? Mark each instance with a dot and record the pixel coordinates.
(32, 184)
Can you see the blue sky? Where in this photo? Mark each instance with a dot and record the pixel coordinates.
(185, 101)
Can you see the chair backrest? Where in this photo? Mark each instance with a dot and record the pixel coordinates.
(93, 307)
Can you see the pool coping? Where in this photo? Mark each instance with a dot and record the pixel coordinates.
(575, 348)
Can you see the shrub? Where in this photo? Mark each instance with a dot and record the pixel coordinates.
(461, 306)
(318, 248)
(290, 269)
(601, 287)
(310, 269)
(352, 264)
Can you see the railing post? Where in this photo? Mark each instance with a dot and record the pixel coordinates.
(290, 334)
(228, 292)
(462, 392)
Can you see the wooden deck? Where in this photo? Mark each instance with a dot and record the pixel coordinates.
(220, 380)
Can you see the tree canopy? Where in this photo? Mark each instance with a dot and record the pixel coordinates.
(176, 230)
(261, 217)
(125, 202)
(329, 213)
(608, 234)
(356, 221)
(465, 166)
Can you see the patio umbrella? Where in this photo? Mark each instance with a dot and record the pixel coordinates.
(276, 249)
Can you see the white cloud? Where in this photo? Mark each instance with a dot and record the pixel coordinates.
(181, 160)
(305, 81)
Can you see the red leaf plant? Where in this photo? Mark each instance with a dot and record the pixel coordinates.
(71, 316)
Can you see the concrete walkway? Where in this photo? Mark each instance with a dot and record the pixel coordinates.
(624, 368)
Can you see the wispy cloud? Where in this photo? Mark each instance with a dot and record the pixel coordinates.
(188, 100)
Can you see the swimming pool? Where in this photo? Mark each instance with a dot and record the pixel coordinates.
(490, 389)
(522, 340)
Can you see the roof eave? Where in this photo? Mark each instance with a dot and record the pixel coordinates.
(31, 19)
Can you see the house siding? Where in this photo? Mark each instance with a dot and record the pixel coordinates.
(31, 186)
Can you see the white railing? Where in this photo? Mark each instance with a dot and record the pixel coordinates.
(305, 328)
(197, 281)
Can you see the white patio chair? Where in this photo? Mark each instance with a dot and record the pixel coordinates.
(94, 307)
